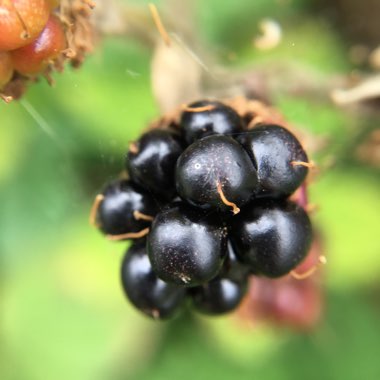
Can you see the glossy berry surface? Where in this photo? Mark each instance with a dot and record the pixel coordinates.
(218, 119)
(35, 57)
(272, 237)
(186, 246)
(21, 21)
(215, 169)
(273, 149)
(219, 296)
(6, 68)
(144, 289)
(116, 211)
(233, 267)
(151, 161)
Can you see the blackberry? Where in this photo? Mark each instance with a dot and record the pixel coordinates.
(271, 237)
(207, 117)
(233, 268)
(184, 185)
(186, 246)
(125, 209)
(215, 172)
(144, 289)
(151, 161)
(278, 157)
(219, 296)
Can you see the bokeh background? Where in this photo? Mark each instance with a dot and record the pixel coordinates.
(63, 314)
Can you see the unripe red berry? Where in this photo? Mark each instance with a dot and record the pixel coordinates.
(35, 57)
(21, 21)
(6, 68)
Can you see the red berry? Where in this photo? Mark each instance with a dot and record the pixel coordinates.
(6, 68)
(21, 21)
(35, 57)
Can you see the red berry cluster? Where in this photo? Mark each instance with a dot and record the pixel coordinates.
(30, 37)
(33, 37)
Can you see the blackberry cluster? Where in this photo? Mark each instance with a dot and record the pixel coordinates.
(206, 203)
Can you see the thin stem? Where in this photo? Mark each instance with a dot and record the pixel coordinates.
(301, 276)
(159, 25)
(140, 216)
(129, 235)
(235, 209)
(94, 209)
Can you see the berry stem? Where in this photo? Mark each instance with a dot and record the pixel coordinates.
(301, 276)
(140, 216)
(94, 209)
(235, 209)
(159, 25)
(310, 165)
(209, 107)
(129, 235)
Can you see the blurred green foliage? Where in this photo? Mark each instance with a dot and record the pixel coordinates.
(63, 315)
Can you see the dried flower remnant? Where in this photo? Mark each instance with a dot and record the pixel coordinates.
(271, 35)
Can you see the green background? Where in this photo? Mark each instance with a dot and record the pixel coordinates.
(63, 314)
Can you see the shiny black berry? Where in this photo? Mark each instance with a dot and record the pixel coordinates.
(215, 172)
(233, 267)
(144, 289)
(123, 208)
(151, 161)
(212, 118)
(277, 155)
(220, 295)
(271, 237)
(186, 246)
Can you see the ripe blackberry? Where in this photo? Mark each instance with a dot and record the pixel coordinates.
(279, 159)
(194, 246)
(186, 246)
(233, 267)
(219, 296)
(271, 237)
(215, 172)
(151, 161)
(125, 209)
(144, 289)
(207, 117)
